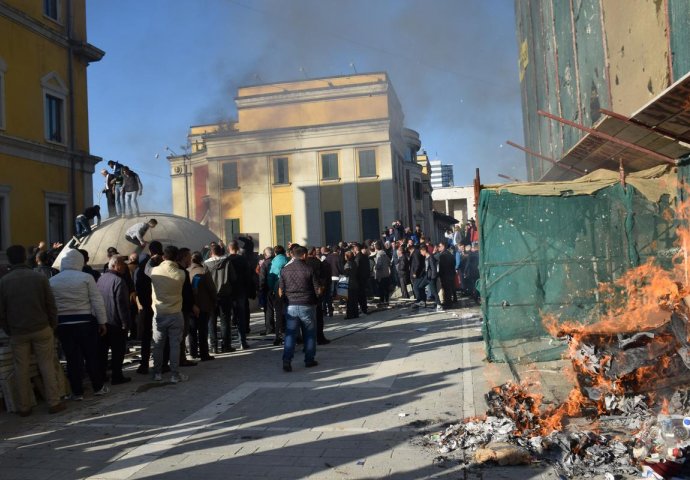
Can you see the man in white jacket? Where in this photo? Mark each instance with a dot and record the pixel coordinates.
(81, 319)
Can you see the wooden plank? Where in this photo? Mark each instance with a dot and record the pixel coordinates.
(567, 74)
(679, 19)
(590, 59)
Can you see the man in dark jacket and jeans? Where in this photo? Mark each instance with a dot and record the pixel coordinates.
(29, 316)
(142, 284)
(240, 291)
(336, 265)
(363, 274)
(115, 293)
(299, 287)
(428, 279)
(82, 223)
(446, 273)
(416, 272)
(224, 277)
(323, 275)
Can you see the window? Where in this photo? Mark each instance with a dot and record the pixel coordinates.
(3, 220)
(54, 119)
(51, 9)
(4, 217)
(54, 95)
(230, 175)
(367, 163)
(370, 224)
(410, 155)
(417, 190)
(232, 228)
(56, 223)
(3, 69)
(283, 230)
(280, 171)
(329, 166)
(332, 224)
(57, 226)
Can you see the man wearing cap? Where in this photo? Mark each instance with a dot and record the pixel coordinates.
(109, 191)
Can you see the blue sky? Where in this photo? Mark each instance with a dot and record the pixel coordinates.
(170, 64)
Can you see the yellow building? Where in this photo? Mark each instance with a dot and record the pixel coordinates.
(312, 161)
(45, 165)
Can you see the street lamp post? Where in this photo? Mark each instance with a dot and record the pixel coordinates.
(185, 158)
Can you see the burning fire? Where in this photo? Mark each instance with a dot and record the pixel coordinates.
(635, 345)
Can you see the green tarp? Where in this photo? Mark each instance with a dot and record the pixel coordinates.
(545, 254)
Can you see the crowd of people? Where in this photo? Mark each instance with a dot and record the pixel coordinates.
(180, 303)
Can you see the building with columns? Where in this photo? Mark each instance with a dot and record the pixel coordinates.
(312, 161)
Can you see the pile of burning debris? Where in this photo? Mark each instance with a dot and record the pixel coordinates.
(629, 410)
(626, 439)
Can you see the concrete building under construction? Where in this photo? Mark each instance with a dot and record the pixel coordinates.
(617, 66)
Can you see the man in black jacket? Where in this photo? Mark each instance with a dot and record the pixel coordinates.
(428, 279)
(83, 220)
(416, 273)
(224, 277)
(240, 292)
(363, 274)
(189, 308)
(322, 273)
(446, 272)
(142, 285)
(402, 268)
(335, 265)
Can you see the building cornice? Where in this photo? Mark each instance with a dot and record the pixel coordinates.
(317, 79)
(300, 139)
(288, 152)
(87, 52)
(82, 49)
(57, 156)
(326, 93)
(302, 131)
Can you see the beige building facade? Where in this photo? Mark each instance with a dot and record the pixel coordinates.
(312, 161)
(457, 202)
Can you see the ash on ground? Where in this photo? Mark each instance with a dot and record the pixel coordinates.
(628, 439)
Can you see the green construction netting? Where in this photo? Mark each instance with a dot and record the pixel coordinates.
(547, 254)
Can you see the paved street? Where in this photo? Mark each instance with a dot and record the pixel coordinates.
(384, 381)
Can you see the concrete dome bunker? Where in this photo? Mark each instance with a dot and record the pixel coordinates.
(171, 230)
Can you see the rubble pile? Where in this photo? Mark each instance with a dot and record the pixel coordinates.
(631, 363)
(628, 413)
(627, 438)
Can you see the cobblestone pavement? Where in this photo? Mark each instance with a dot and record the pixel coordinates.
(386, 379)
